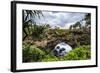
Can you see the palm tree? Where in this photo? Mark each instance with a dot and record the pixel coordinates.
(27, 21)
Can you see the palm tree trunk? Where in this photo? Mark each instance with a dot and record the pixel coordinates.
(24, 31)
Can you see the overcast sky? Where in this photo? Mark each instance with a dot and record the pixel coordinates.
(59, 19)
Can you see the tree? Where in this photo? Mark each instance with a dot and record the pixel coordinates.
(27, 21)
(88, 19)
(71, 26)
(76, 25)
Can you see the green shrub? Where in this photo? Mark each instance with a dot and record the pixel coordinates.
(49, 58)
(32, 53)
(80, 53)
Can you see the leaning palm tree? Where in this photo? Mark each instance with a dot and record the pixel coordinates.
(27, 21)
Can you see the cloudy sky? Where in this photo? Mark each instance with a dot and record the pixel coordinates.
(59, 19)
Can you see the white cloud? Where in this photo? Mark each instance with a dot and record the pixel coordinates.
(59, 19)
(67, 26)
